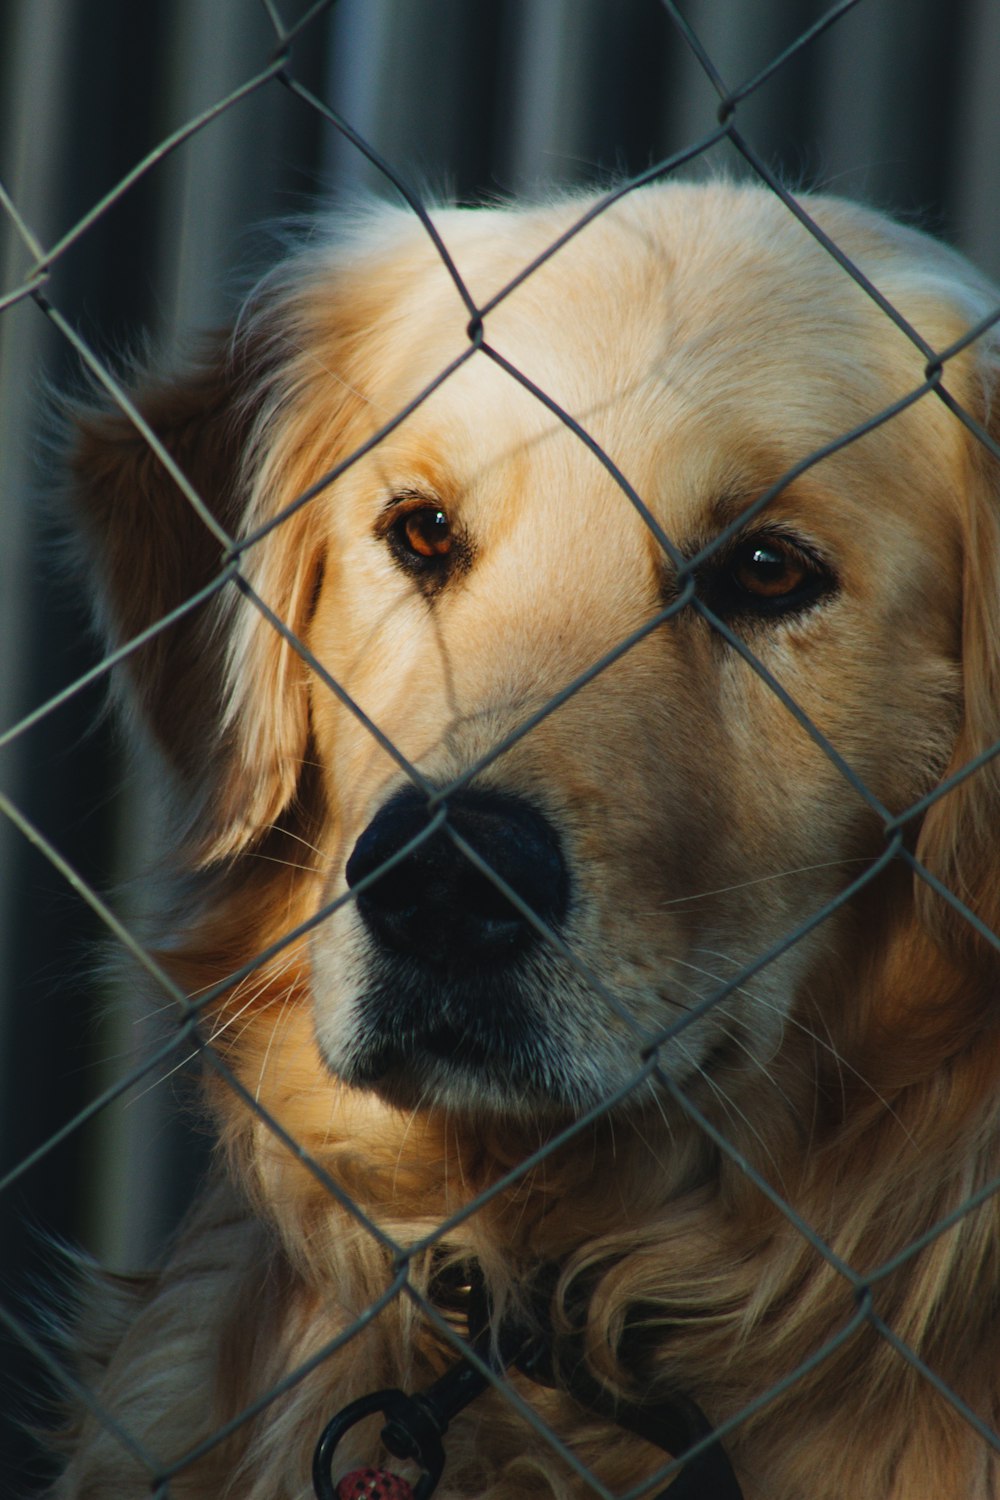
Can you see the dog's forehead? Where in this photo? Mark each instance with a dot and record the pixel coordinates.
(701, 337)
(703, 299)
(697, 454)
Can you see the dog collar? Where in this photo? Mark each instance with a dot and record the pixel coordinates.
(416, 1424)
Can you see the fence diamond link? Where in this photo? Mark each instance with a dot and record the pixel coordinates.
(193, 1027)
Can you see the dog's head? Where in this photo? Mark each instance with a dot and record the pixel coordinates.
(539, 626)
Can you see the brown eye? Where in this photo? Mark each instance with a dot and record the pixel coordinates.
(424, 533)
(423, 541)
(769, 569)
(765, 577)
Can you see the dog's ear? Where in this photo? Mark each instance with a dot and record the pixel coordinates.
(959, 842)
(236, 765)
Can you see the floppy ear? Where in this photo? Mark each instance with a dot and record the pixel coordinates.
(236, 768)
(960, 839)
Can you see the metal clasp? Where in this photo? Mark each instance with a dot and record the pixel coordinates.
(413, 1430)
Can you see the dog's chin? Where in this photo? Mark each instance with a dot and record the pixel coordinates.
(417, 1081)
(412, 1073)
(474, 1045)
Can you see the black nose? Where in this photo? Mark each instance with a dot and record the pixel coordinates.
(434, 904)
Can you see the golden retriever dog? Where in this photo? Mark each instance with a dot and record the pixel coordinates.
(582, 906)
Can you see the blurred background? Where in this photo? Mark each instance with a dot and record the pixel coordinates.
(894, 103)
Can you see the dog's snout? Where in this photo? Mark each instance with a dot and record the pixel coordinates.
(434, 904)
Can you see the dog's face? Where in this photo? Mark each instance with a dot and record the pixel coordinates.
(484, 593)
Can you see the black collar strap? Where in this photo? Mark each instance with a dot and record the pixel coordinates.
(415, 1425)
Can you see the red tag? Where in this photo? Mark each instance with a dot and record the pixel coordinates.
(373, 1484)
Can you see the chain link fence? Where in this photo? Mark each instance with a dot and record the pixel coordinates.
(181, 1037)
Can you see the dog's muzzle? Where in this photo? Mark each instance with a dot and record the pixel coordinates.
(451, 996)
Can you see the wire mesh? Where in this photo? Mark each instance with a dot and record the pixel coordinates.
(168, 1472)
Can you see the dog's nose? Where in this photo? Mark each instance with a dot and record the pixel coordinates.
(434, 904)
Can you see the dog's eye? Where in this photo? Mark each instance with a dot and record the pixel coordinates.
(420, 535)
(423, 540)
(423, 533)
(769, 569)
(764, 576)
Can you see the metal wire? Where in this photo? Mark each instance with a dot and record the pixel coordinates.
(190, 1032)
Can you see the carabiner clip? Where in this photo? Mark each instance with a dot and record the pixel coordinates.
(413, 1430)
(416, 1424)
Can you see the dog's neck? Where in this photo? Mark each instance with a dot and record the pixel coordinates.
(703, 1284)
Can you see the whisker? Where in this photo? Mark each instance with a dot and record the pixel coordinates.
(321, 854)
(732, 1035)
(161, 1078)
(292, 864)
(741, 885)
(791, 1020)
(286, 1002)
(733, 1110)
(218, 1030)
(366, 399)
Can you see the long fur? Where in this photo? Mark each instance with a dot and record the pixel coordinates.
(708, 344)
